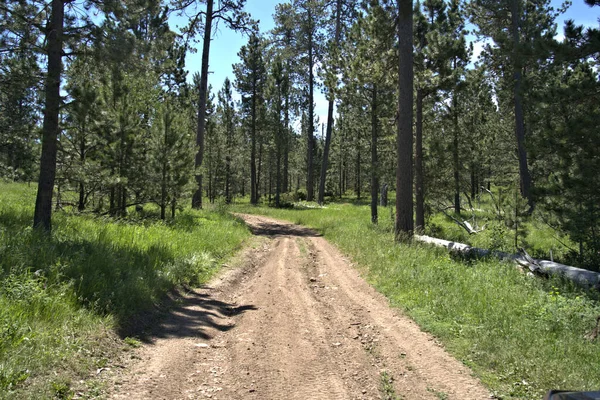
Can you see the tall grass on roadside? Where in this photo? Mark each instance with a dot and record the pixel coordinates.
(521, 335)
(61, 294)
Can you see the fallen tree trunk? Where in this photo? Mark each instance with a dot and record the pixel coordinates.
(585, 278)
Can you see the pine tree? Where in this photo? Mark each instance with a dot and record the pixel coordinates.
(277, 92)
(232, 14)
(81, 136)
(250, 81)
(368, 61)
(19, 112)
(309, 15)
(441, 55)
(342, 16)
(520, 31)
(226, 110)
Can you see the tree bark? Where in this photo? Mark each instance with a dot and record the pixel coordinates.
(259, 168)
(341, 154)
(42, 217)
(228, 165)
(253, 178)
(197, 198)
(357, 169)
(474, 180)
(455, 155)
(404, 225)
(278, 179)
(419, 181)
(310, 195)
(374, 161)
(163, 193)
(525, 177)
(338, 28)
(384, 195)
(286, 141)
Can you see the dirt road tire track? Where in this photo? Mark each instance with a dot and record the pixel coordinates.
(295, 321)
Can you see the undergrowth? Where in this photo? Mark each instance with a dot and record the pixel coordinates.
(522, 336)
(63, 295)
(500, 229)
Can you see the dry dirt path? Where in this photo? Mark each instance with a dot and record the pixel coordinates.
(295, 321)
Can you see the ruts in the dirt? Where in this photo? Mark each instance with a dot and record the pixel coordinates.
(294, 321)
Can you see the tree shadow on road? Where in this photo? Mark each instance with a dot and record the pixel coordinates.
(269, 228)
(194, 314)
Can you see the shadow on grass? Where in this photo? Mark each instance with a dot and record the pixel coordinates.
(110, 277)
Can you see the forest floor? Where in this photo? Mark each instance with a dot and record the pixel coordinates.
(294, 320)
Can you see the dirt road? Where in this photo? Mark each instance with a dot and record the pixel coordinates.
(295, 321)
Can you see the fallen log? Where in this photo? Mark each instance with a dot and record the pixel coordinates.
(583, 277)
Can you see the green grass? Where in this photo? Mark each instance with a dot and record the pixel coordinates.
(387, 387)
(522, 336)
(62, 296)
(534, 235)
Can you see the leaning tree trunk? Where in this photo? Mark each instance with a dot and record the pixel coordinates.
(404, 176)
(338, 27)
(374, 162)
(197, 198)
(42, 217)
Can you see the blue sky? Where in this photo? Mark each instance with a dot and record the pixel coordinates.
(226, 43)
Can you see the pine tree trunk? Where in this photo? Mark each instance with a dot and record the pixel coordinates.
(253, 175)
(82, 149)
(278, 179)
(228, 172)
(272, 176)
(310, 185)
(341, 159)
(374, 161)
(455, 156)
(357, 180)
(123, 210)
(197, 198)
(42, 217)
(525, 177)
(286, 141)
(404, 225)
(259, 169)
(285, 180)
(338, 27)
(419, 179)
(473, 181)
(163, 193)
(81, 203)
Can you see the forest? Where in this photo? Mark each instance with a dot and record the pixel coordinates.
(98, 108)
(474, 121)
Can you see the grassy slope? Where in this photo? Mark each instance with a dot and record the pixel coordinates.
(61, 297)
(522, 336)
